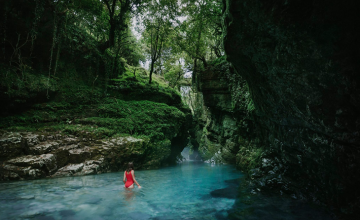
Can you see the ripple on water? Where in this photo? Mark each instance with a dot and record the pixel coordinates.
(187, 191)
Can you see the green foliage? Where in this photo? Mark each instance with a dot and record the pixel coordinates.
(200, 35)
(250, 106)
(140, 117)
(240, 94)
(158, 30)
(26, 84)
(80, 110)
(174, 75)
(130, 87)
(219, 61)
(249, 157)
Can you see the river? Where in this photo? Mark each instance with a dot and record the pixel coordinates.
(189, 190)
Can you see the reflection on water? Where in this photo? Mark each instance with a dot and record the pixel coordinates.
(128, 194)
(190, 190)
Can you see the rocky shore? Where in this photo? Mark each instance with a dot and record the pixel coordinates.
(29, 155)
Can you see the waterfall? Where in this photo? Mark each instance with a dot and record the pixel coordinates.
(190, 154)
(188, 97)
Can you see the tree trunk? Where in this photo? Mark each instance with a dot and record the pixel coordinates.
(151, 70)
(112, 34)
(193, 77)
(204, 61)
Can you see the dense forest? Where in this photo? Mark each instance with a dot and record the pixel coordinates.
(271, 87)
(40, 36)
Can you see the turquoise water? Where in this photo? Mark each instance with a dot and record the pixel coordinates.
(190, 190)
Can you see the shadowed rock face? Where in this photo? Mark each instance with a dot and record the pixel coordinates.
(216, 133)
(215, 90)
(301, 62)
(30, 156)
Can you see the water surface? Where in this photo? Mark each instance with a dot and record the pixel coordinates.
(190, 190)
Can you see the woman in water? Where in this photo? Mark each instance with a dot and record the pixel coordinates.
(130, 177)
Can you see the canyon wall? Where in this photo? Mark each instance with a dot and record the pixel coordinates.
(300, 62)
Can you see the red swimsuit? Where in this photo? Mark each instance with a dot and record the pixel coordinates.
(129, 179)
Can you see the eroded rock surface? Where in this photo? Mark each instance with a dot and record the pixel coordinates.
(300, 62)
(29, 155)
(217, 129)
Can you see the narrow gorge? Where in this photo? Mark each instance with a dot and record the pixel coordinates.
(266, 89)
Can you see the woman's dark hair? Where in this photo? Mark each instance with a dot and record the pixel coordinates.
(130, 167)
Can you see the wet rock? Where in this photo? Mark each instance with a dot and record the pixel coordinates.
(66, 213)
(31, 214)
(29, 156)
(45, 218)
(13, 176)
(306, 103)
(12, 145)
(27, 197)
(224, 193)
(62, 156)
(31, 139)
(93, 201)
(10, 172)
(138, 215)
(217, 126)
(70, 140)
(43, 148)
(69, 170)
(79, 155)
(92, 167)
(46, 162)
(21, 172)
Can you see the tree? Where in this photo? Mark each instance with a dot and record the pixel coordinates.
(158, 23)
(200, 35)
(118, 14)
(156, 36)
(174, 75)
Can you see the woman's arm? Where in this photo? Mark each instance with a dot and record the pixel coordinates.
(124, 177)
(133, 175)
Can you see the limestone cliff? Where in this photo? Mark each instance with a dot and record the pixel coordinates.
(74, 136)
(218, 122)
(300, 61)
(30, 155)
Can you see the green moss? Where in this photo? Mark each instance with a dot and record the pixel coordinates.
(24, 85)
(130, 87)
(113, 116)
(140, 117)
(249, 157)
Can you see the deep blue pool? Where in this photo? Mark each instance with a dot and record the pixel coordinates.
(190, 190)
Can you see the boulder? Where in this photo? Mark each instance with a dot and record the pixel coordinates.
(44, 147)
(45, 162)
(29, 155)
(69, 170)
(12, 145)
(300, 63)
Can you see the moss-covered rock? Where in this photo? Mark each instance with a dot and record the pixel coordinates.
(90, 124)
(218, 118)
(299, 61)
(73, 155)
(73, 86)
